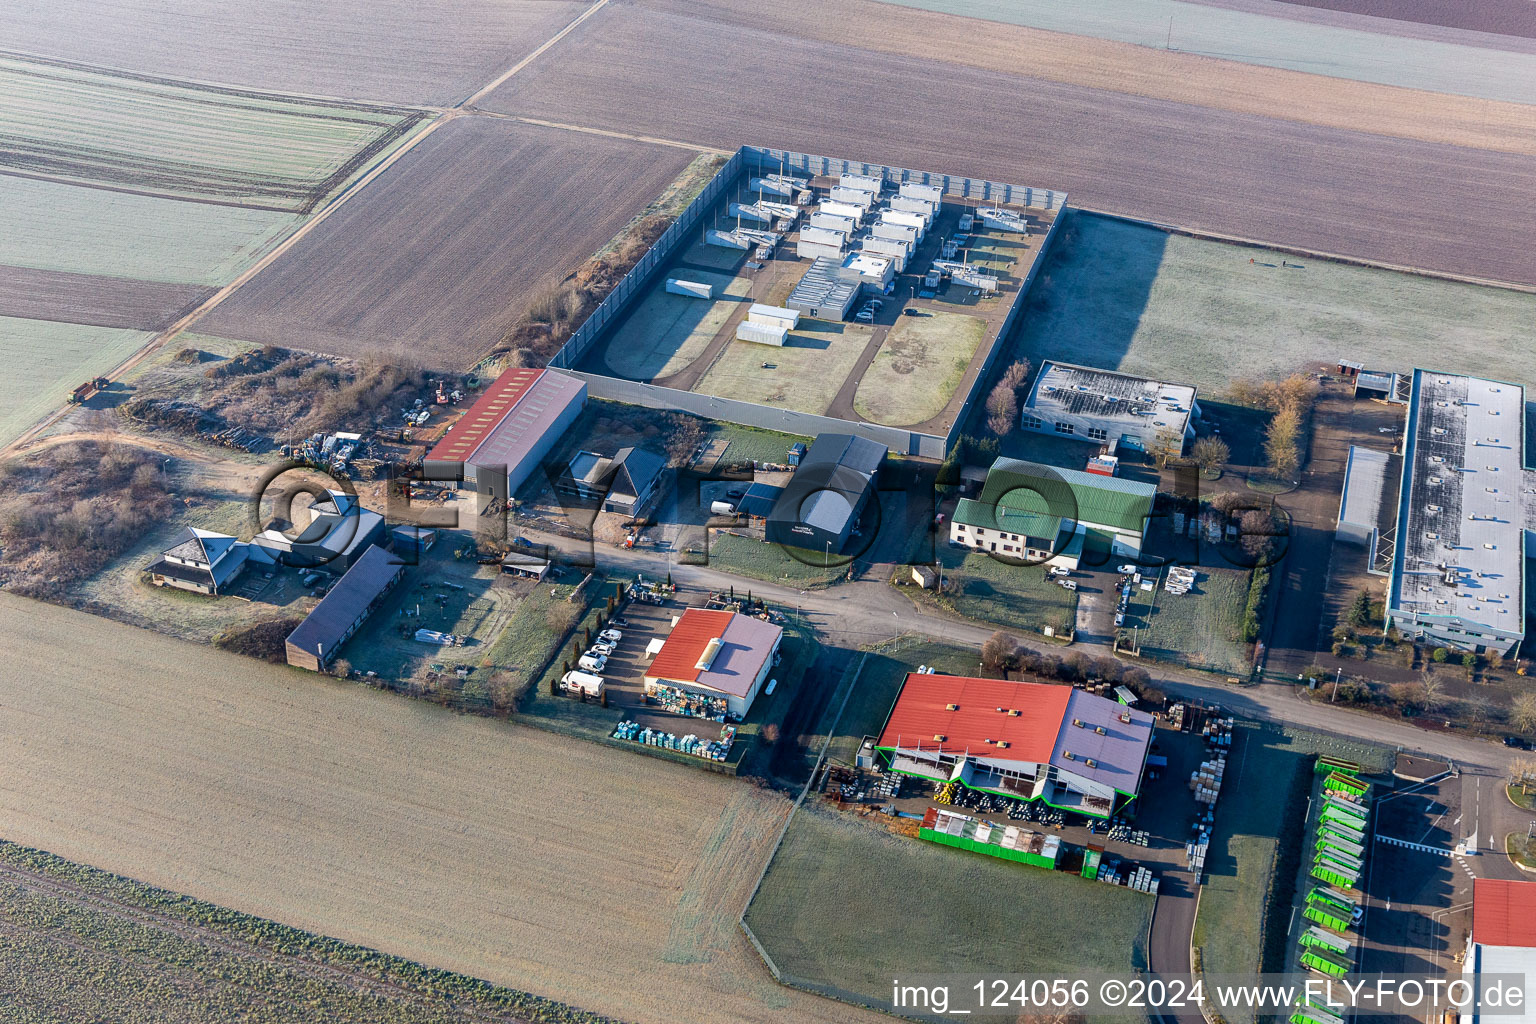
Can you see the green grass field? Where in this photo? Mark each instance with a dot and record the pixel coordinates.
(760, 560)
(849, 906)
(1016, 596)
(666, 332)
(1132, 298)
(806, 373)
(118, 131)
(53, 226)
(47, 360)
(918, 367)
(1200, 629)
(89, 945)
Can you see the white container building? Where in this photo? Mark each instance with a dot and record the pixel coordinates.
(928, 193)
(911, 220)
(862, 182)
(1003, 220)
(761, 314)
(692, 289)
(852, 196)
(762, 334)
(907, 204)
(898, 232)
(833, 222)
(889, 248)
(849, 210)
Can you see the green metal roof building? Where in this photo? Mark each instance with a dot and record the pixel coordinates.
(1035, 512)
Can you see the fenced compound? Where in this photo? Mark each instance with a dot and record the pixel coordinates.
(751, 160)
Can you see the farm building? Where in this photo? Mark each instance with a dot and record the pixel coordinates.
(821, 505)
(1064, 747)
(200, 561)
(1458, 567)
(1037, 513)
(1115, 409)
(335, 534)
(626, 483)
(759, 500)
(718, 655)
(827, 290)
(497, 444)
(1503, 939)
(313, 645)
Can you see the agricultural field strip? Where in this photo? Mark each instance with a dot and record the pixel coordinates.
(220, 777)
(77, 124)
(1151, 157)
(29, 293)
(69, 892)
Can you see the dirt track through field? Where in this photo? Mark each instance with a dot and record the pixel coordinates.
(602, 878)
(1455, 209)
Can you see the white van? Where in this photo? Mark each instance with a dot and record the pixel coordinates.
(584, 682)
(593, 662)
(721, 508)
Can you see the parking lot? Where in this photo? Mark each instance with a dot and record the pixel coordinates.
(1418, 896)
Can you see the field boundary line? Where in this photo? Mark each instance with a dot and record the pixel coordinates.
(1316, 254)
(607, 133)
(514, 69)
(804, 790)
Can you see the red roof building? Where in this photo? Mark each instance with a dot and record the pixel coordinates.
(1503, 912)
(509, 429)
(717, 654)
(1032, 741)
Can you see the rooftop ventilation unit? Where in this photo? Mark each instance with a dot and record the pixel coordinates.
(951, 707)
(938, 737)
(1101, 730)
(1014, 712)
(1069, 755)
(1091, 763)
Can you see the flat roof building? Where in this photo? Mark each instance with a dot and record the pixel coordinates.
(512, 426)
(827, 290)
(1112, 408)
(1037, 513)
(1458, 568)
(1064, 747)
(719, 655)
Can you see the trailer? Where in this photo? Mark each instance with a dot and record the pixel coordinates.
(85, 391)
(1316, 938)
(1324, 964)
(692, 289)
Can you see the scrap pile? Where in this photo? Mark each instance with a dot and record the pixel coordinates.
(1179, 579)
(687, 703)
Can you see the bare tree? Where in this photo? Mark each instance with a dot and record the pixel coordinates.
(1432, 692)
(1522, 712)
(1522, 772)
(1210, 454)
(1282, 443)
(998, 649)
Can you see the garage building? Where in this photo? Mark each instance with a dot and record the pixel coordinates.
(1115, 409)
(821, 506)
(316, 641)
(717, 654)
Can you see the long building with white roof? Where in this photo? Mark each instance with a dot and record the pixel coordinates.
(1458, 569)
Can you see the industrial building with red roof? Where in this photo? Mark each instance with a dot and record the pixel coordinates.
(1503, 941)
(718, 654)
(1032, 741)
(500, 440)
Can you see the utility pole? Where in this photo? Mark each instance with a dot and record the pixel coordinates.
(1336, 674)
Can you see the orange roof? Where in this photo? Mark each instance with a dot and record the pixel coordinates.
(1503, 912)
(679, 657)
(922, 712)
(500, 398)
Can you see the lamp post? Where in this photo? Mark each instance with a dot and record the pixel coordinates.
(827, 559)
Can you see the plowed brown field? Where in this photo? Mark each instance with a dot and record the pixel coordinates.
(608, 880)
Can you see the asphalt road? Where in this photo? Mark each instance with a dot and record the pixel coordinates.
(867, 611)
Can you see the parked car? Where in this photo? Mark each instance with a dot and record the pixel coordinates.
(865, 316)
(736, 492)
(1517, 742)
(1128, 569)
(602, 648)
(1069, 584)
(613, 636)
(911, 311)
(1059, 570)
(593, 662)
